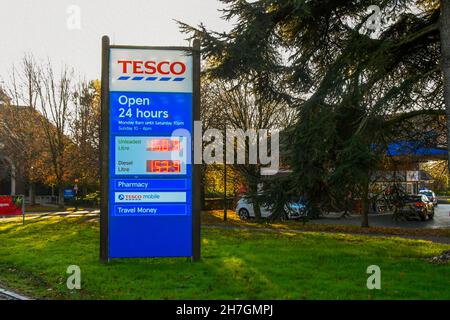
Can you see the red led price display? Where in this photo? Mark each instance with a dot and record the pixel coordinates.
(163, 145)
(163, 166)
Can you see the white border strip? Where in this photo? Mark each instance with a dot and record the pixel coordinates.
(13, 295)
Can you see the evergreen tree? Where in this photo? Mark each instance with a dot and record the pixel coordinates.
(354, 74)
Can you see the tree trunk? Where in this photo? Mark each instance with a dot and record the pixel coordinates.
(445, 62)
(32, 193)
(365, 206)
(202, 195)
(225, 204)
(61, 197)
(255, 201)
(202, 187)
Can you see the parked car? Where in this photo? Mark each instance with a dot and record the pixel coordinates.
(430, 195)
(417, 206)
(293, 210)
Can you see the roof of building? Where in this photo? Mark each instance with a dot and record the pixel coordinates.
(412, 148)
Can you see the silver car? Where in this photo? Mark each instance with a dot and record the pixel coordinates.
(293, 210)
(430, 195)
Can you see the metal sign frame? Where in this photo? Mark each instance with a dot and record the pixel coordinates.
(105, 147)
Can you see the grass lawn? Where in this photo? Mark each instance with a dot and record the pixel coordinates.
(236, 264)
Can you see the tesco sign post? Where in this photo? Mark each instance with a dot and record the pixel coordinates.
(150, 187)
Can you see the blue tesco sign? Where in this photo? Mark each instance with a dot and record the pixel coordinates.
(150, 109)
(69, 193)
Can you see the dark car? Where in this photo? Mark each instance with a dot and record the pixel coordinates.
(417, 206)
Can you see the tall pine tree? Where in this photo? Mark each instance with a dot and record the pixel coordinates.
(355, 75)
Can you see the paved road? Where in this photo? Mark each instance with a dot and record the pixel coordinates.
(441, 220)
(46, 215)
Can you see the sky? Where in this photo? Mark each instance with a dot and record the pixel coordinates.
(69, 31)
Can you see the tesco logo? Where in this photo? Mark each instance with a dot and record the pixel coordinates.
(150, 70)
(133, 197)
(152, 67)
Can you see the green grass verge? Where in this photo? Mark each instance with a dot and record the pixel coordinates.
(236, 264)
